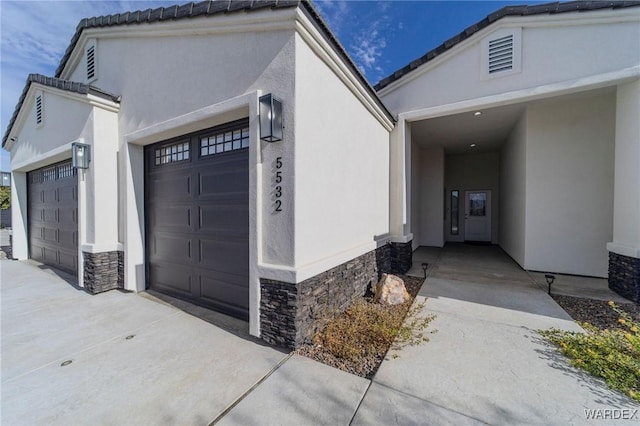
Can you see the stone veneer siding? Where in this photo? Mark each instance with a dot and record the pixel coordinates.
(291, 314)
(401, 257)
(624, 276)
(103, 271)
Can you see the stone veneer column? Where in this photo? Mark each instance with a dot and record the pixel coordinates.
(624, 276)
(401, 257)
(103, 271)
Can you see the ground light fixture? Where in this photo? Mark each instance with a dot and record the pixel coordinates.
(424, 269)
(80, 155)
(550, 278)
(473, 145)
(477, 113)
(271, 122)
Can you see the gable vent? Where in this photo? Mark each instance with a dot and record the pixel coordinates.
(91, 63)
(39, 109)
(501, 54)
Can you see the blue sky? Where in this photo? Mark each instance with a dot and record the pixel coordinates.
(380, 36)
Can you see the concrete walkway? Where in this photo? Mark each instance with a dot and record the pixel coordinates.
(186, 365)
(486, 364)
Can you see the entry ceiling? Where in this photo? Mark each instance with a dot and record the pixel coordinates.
(457, 132)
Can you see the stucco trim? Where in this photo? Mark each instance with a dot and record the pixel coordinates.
(624, 250)
(58, 154)
(525, 95)
(298, 274)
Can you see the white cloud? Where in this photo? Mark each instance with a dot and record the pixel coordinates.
(34, 36)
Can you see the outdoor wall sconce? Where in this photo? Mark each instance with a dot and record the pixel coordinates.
(80, 155)
(550, 278)
(424, 269)
(271, 123)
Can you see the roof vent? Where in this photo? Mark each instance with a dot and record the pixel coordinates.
(91, 63)
(501, 54)
(38, 109)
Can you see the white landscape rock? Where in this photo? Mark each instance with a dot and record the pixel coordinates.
(390, 290)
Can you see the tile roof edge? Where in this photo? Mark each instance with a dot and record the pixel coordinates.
(521, 10)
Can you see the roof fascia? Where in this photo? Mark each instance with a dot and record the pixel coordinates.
(606, 16)
(318, 43)
(258, 20)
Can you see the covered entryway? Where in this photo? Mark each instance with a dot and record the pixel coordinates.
(197, 217)
(53, 216)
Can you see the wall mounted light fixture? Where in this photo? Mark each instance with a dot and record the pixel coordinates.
(271, 122)
(80, 155)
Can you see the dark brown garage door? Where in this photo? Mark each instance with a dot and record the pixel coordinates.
(53, 216)
(197, 208)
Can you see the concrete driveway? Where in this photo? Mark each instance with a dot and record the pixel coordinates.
(186, 365)
(177, 369)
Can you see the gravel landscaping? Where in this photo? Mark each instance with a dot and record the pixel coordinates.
(596, 312)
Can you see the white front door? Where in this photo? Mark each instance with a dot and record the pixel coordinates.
(477, 215)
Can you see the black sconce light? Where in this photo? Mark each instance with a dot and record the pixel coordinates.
(550, 278)
(80, 155)
(424, 269)
(271, 122)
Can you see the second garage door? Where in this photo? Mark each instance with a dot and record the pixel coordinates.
(53, 216)
(197, 204)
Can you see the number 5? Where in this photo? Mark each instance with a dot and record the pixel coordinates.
(279, 163)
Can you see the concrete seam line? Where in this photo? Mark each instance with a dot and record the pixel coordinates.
(251, 389)
(431, 403)
(360, 403)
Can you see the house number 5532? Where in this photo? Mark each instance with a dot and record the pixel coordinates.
(278, 182)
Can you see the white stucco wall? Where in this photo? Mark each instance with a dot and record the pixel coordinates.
(569, 184)
(470, 172)
(64, 121)
(513, 167)
(574, 45)
(341, 168)
(430, 197)
(626, 223)
(177, 75)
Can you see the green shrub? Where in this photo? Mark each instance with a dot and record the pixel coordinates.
(5, 197)
(613, 355)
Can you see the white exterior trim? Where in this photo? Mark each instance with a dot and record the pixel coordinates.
(624, 250)
(60, 153)
(526, 95)
(298, 274)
